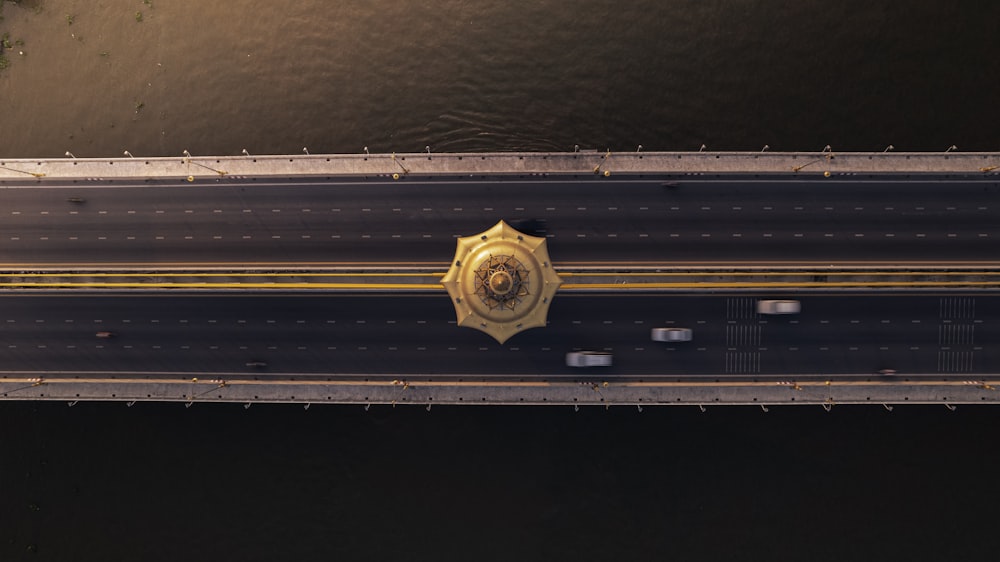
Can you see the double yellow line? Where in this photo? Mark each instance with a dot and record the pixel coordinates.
(430, 281)
(64, 281)
(914, 279)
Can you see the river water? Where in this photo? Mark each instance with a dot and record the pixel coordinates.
(165, 482)
(462, 75)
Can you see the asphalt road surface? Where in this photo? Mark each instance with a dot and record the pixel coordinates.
(397, 336)
(245, 221)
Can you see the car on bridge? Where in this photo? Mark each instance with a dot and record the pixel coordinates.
(588, 359)
(778, 307)
(671, 334)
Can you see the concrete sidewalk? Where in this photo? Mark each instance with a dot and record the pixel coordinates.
(608, 163)
(421, 390)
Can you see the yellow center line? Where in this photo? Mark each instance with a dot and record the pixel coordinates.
(444, 264)
(154, 273)
(777, 284)
(232, 274)
(436, 286)
(362, 274)
(789, 273)
(206, 285)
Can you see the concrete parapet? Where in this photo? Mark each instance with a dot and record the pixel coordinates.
(401, 165)
(426, 390)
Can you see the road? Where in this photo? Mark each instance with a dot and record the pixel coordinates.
(318, 334)
(245, 221)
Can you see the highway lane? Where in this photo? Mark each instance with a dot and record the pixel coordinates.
(216, 335)
(619, 219)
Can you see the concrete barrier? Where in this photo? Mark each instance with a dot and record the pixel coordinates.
(428, 390)
(401, 165)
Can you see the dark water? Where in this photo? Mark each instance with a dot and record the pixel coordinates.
(161, 482)
(395, 75)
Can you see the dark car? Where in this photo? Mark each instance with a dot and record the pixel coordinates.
(531, 227)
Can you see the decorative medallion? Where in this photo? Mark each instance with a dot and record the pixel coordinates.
(501, 281)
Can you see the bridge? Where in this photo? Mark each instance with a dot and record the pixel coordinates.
(325, 278)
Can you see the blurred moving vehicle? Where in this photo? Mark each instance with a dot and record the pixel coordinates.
(76, 200)
(588, 359)
(257, 364)
(105, 334)
(778, 307)
(531, 227)
(671, 334)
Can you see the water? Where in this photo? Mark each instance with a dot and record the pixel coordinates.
(164, 482)
(274, 77)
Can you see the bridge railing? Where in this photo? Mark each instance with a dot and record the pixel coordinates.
(827, 391)
(605, 164)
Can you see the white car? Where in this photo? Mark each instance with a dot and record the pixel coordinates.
(588, 359)
(671, 334)
(778, 307)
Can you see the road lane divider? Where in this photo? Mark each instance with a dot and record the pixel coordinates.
(387, 279)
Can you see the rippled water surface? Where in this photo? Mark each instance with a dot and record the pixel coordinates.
(269, 76)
